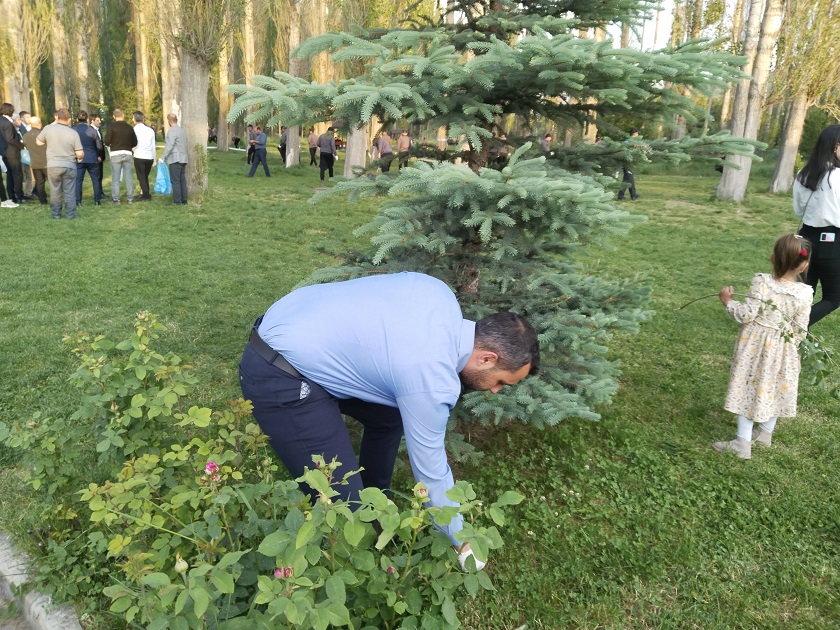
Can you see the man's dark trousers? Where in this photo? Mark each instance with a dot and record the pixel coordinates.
(302, 419)
(143, 168)
(259, 156)
(14, 177)
(93, 169)
(327, 161)
(178, 175)
(628, 181)
(312, 152)
(40, 189)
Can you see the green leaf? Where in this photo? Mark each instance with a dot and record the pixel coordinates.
(202, 600)
(232, 557)
(138, 400)
(354, 532)
(275, 543)
(335, 589)
(156, 580)
(305, 534)
(511, 497)
(140, 372)
(449, 613)
(223, 581)
(121, 605)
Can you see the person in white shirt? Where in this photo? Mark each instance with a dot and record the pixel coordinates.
(816, 200)
(144, 154)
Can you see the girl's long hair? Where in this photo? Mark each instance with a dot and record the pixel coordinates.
(823, 158)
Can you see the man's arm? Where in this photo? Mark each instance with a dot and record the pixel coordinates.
(424, 422)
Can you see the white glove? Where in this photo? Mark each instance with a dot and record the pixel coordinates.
(462, 560)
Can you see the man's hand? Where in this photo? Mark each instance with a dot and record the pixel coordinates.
(465, 553)
(725, 295)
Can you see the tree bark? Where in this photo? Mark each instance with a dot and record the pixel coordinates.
(248, 48)
(356, 152)
(782, 180)
(59, 54)
(742, 91)
(17, 81)
(737, 25)
(82, 72)
(195, 81)
(295, 68)
(222, 127)
(733, 182)
(292, 147)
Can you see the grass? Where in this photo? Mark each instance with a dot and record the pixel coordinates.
(630, 522)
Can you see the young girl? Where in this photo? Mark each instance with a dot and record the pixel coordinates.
(764, 379)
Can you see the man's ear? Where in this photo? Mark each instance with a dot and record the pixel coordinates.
(485, 359)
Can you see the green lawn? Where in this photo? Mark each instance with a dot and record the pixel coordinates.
(631, 522)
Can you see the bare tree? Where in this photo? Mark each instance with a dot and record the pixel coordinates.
(805, 72)
(733, 181)
(16, 82)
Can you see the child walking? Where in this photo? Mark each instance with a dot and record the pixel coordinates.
(764, 380)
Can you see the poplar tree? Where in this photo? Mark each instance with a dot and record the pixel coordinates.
(511, 236)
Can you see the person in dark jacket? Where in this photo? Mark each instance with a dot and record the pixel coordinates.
(96, 123)
(11, 155)
(38, 159)
(91, 145)
(326, 143)
(121, 139)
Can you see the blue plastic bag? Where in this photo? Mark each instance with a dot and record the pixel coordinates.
(163, 185)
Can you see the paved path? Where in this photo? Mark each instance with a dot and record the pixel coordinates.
(10, 621)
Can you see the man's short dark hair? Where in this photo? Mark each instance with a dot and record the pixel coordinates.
(633, 130)
(81, 116)
(7, 109)
(22, 113)
(138, 117)
(512, 338)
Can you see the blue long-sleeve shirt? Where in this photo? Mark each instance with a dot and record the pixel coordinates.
(394, 339)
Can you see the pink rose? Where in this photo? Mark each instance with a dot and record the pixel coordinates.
(390, 570)
(211, 467)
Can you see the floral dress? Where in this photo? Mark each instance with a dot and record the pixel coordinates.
(764, 380)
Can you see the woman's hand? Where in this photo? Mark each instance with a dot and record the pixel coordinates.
(725, 295)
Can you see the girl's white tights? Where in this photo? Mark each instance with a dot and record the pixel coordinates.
(745, 427)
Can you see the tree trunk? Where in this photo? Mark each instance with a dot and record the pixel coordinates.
(625, 36)
(737, 25)
(144, 61)
(295, 68)
(292, 147)
(17, 82)
(356, 152)
(195, 81)
(742, 91)
(59, 54)
(170, 82)
(791, 135)
(222, 127)
(82, 73)
(248, 49)
(733, 183)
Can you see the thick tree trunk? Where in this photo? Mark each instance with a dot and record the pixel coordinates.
(742, 91)
(81, 50)
(356, 152)
(17, 82)
(145, 91)
(292, 147)
(170, 71)
(59, 55)
(737, 25)
(195, 81)
(625, 36)
(248, 48)
(782, 180)
(296, 69)
(733, 183)
(222, 127)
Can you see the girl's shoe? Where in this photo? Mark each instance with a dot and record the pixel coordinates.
(761, 437)
(741, 447)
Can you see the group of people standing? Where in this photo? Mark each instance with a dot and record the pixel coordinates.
(62, 155)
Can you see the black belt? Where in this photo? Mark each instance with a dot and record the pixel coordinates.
(272, 356)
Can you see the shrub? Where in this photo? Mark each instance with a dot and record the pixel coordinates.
(178, 517)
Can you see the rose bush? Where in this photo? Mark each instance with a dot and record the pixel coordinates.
(178, 515)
